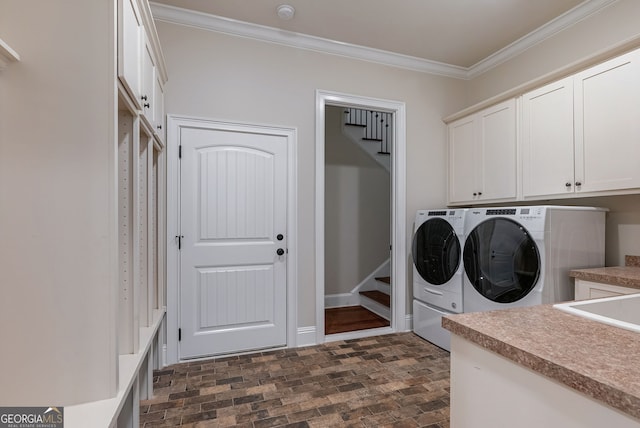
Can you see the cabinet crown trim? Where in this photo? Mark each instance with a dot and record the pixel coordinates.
(582, 64)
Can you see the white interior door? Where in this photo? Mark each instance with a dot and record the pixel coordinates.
(233, 204)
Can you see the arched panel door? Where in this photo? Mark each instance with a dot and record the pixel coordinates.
(501, 260)
(436, 251)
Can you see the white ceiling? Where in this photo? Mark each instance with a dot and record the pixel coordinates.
(459, 33)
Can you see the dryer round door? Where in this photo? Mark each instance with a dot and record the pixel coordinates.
(501, 260)
(436, 251)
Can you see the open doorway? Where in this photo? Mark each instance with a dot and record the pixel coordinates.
(360, 216)
(357, 212)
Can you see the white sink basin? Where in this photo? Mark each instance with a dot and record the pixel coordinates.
(618, 311)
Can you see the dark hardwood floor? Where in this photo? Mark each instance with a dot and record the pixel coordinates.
(351, 318)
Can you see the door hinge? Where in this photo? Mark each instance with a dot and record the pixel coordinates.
(180, 151)
(179, 334)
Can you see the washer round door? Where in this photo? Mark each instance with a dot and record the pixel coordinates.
(436, 251)
(501, 260)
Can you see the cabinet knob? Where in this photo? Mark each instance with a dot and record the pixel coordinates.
(479, 193)
(567, 184)
(475, 194)
(578, 183)
(159, 126)
(143, 98)
(146, 105)
(280, 251)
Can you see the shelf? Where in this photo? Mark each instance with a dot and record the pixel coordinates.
(7, 55)
(104, 413)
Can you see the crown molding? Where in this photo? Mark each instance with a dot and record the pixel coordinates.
(176, 15)
(7, 55)
(562, 22)
(205, 21)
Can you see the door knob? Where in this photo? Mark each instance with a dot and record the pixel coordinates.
(279, 251)
(280, 237)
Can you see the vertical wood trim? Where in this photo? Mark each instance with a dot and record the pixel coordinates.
(135, 184)
(125, 233)
(151, 277)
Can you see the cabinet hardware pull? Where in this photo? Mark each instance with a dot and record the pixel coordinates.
(567, 184)
(143, 98)
(475, 194)
(578, 183)
(479, 193)
(146, 105)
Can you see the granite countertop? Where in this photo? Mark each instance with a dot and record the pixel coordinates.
(624, 276)
(595, 359)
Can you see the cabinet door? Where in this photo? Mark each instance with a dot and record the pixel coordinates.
(547, 140)
(462, 160)
(497, 162)
(482, 155)
(158, 108)
(595, 290)
(607, 119)
(130, 31)
(148, 81)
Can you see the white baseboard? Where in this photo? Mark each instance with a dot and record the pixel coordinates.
(408, 322)
(164, 355)
(306, 336)
(341, 300)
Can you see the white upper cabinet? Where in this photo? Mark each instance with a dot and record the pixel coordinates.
(482, 156)
(130, 33)
(607, 125)
(580, 136)
(141, 69)
(547, 140)
(158, 110)
(148, 81)
(462, 157)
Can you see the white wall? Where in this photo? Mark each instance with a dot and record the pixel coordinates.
(226, 77)
(357, 209)
(622, 234)
(614, 26)
(57, 215)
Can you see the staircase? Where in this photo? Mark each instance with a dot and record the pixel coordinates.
(378, 300)
(373, 293)
(372, 131)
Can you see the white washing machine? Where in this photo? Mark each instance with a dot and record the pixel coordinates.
(437, 271)
(521, 256)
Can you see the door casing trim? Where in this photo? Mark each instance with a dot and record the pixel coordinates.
(174, 125)
(398, 207)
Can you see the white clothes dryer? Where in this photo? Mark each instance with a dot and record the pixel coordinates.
(521, 256)
(437, 271)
